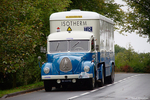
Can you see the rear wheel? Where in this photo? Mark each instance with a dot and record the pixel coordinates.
(112, 76)
(47, 86)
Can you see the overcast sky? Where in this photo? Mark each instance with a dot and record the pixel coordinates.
(139, 44)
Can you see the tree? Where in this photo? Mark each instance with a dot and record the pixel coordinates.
(24, 26)
(124, 57)
(119, 49)
(129, 61)
(105, 7)
(138, 17)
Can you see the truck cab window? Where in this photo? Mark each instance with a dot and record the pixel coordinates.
(58, 46)
(79, 45)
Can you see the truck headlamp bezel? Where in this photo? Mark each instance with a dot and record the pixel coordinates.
(46, 70)
(86, 68)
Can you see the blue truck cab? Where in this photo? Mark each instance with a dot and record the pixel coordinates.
(80, 50)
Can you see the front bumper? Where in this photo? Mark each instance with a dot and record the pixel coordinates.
(83, 75)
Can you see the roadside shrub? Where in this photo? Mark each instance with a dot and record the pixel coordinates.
(147, 69)
(130, 61)
(127, 68)
(117, 69)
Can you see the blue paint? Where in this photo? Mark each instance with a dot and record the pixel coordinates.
(100, 71)
(89, 29)
(49, 65)
(78, 61)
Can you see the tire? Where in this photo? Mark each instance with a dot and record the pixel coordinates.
(47, 86)
(100, 84)
(91, 82)
(112, 76)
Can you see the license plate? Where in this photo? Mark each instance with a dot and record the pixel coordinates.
(65, 80)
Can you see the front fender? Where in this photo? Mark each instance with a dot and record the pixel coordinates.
(112, 64)
(88, 63)
(49, 65)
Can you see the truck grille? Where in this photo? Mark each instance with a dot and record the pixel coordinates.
(65, 65)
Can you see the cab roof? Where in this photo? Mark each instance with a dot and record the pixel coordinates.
(73, 35)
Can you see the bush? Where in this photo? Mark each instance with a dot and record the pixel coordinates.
(147, 69)
(130, 61)
(127, 68)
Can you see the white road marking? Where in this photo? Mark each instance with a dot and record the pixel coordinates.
(138, 98)
(103, 87)
(85, 93)
(109, 84)
(73, 97)
(94, 90)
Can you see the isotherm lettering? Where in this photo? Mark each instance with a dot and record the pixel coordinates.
(73, 23)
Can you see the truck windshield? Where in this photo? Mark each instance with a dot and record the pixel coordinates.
(58, 46)
(79, 45)
(69, 45)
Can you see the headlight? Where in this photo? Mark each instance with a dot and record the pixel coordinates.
(46, 70)
(86, 68)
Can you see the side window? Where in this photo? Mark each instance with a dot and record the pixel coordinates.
(92, 45)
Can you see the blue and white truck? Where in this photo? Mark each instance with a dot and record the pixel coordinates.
(80, 50)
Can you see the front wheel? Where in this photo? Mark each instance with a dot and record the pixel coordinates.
(47, 86)
(91, 83)
(100, 84)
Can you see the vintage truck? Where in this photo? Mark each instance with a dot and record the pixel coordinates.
(80, 50)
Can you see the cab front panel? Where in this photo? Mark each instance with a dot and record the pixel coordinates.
(68, 65)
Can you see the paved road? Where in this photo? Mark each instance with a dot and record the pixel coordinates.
(127, 86)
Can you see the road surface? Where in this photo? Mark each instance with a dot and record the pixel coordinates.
(127, 86)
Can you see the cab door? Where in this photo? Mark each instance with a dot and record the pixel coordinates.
(95, 58)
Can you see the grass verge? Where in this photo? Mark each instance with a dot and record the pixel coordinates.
(21, 88)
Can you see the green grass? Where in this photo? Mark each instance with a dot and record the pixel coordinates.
(21, 88)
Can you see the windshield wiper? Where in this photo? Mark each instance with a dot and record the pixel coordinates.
(57, 46)
(76, 44)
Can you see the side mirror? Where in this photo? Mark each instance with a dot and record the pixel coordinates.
(97, 47)
(93, 56)
(43, 49)
(39, 57)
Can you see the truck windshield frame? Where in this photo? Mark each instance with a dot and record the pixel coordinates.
(69, 46)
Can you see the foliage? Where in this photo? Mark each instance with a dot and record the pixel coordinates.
(127, 69)
(119, 49)
(105, 7)
(130, 61)
(24, 26)
(138, 17)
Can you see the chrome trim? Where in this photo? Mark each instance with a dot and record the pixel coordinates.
(76, 76)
